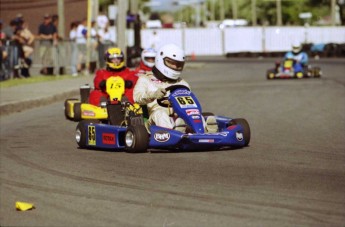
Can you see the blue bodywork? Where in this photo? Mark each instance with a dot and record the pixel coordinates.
(187, 107)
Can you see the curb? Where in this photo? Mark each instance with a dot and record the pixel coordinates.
(10, 108)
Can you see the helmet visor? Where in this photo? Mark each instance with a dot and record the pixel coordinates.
(115, 58)
(296, 49)
(150, 59)
(173, 64)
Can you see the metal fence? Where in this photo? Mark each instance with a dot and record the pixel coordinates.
(196, 41)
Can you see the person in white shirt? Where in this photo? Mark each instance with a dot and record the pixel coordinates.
(168, 67)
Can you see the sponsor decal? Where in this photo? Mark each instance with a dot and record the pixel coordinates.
(197, 121)
(108, 138)
(206, 140)
(231, 127)
(225, 133)
(88, 113)
(239, 136)
(91, 134)
(192, 112)
(186, 102)
(161, 136)
(181, 92)
(195, 117)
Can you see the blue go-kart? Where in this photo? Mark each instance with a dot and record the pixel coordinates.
(135, 136)
(292, 69)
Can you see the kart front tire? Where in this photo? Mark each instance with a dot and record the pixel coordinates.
(299, 75)
(136, 139)
(246, 129)
(81, 132)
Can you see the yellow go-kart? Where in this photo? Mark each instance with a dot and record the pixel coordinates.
(112, 111)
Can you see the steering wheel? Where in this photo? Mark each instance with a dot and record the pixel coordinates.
(164, 102)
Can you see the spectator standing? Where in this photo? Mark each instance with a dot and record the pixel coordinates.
(81, 44)
(47, 34)
(102, 20)
(104, 38)
(26, 42)
(74, 48)
(2, 33)
(93, 48)
(59, 53)
(4, 75)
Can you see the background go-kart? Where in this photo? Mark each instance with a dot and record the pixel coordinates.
(292, 174)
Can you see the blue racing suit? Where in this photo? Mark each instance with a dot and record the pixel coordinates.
(300, 57)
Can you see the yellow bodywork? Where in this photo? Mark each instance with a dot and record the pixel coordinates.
(115, 87)
(288, 63)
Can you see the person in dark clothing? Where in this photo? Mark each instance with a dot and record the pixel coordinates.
(47, 34)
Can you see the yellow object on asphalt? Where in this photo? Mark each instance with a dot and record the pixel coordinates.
(22, 206)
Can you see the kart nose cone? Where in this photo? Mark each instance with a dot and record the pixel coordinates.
(78, 135)
(129, 140)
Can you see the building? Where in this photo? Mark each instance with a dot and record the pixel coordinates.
(33, 11)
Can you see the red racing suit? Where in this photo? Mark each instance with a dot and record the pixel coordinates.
(142, 69)
(99, 94)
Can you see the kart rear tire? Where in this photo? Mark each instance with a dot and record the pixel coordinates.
(136, 139)
(66, 108)
(246, 129)
(77, 111)
(270, 74)
(316, 72)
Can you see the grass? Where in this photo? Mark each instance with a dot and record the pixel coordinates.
(33, 79)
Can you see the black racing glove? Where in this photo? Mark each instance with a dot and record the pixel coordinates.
(102, 85)
(128, 84)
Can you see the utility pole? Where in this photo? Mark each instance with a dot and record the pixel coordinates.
(234, 9)
(134, 6)
(197, 15)
(88, 34)
(213, 14)
(61, 21)
(333, 12)
(95, 9)
(279, 13)
(254, 13)
(121, 25)
(204, 9)
(222, 11)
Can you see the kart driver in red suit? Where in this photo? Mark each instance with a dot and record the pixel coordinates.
(147, 61)
(115, 61)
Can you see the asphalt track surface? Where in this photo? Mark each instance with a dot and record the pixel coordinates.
(292, 174)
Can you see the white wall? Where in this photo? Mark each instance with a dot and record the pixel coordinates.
(215, 41)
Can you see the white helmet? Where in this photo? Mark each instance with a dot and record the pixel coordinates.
(170, 61)
(296, 47)
(148, 57)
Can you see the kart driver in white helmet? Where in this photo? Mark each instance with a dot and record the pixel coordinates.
(168, 67)
(147, 61)
(297, 54)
